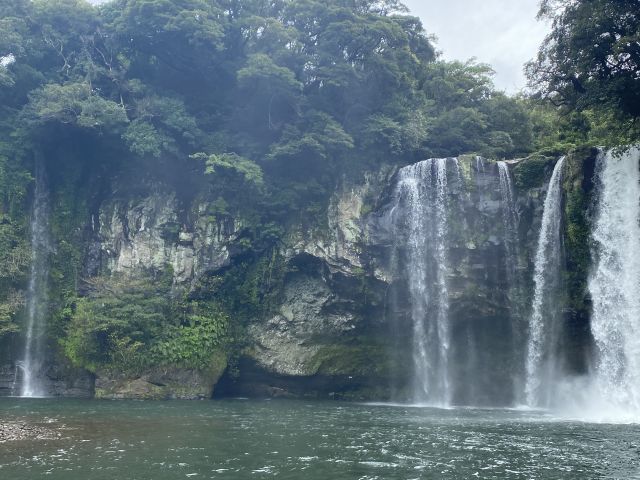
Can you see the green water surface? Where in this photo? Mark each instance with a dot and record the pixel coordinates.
(251, 439)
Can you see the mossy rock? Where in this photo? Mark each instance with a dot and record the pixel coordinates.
(578, 189)
(464, 162)
(355, 360)
(532, 171)
(163, 383)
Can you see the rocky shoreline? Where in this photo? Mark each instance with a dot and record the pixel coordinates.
(11, 431)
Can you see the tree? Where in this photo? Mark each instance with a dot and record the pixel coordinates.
(467, 115)
(285, 97)
(591, 58)
(74, 103)
(273, 90)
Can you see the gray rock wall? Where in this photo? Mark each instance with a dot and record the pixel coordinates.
(339, 328)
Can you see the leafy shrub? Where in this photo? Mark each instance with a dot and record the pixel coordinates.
(129, 324)
(191, 345)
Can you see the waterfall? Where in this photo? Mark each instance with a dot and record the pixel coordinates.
(32, 362)
(544, 325)
(509, 220)
(615, 282)
(510, 223)
(422, 195)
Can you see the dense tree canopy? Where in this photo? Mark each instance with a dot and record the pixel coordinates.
(256, 109)
(590, 63)
(271, 81)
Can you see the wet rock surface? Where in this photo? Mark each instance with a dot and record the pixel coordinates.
(160, 384)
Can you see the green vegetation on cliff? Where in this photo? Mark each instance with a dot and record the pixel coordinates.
(273, 102)
(15, 253)
(253, 112)
(133, 324)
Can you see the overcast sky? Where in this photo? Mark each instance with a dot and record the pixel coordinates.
(502, 33)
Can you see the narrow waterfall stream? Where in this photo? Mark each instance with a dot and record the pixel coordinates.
(32, 362)
(615, 283)
(423, 193)
(544, 322)
(510, 223)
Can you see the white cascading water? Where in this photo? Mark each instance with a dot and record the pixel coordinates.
(510, 221)
(543, 322)
(422, 195)
(32, 362)
(615, 286)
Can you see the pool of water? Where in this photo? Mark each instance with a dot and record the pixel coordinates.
(246, 439)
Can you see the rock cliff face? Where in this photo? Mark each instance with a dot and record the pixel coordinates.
(147, 233)
(153, 232)
(327, 337)
(62, 381)
(344, 326)
(340, 321)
